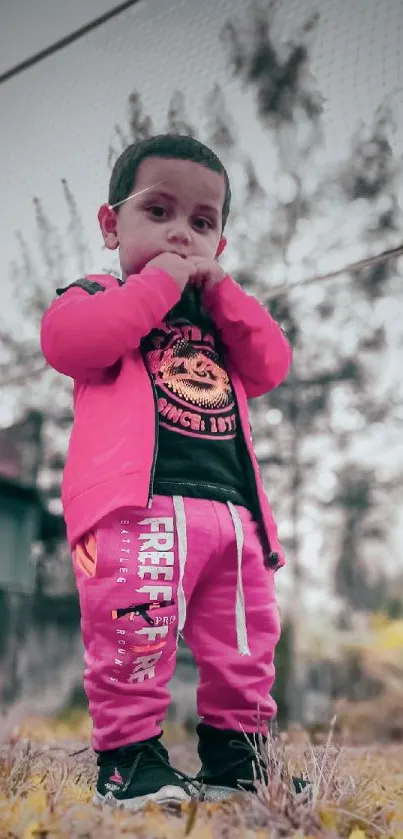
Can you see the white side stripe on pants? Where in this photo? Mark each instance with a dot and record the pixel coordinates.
(240, 613)
(180, 521)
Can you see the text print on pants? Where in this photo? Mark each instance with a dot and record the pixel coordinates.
(122, 579)
(155, 561)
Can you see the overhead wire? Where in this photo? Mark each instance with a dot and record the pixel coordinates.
(275, 293)
(64, 42)
(359, 265)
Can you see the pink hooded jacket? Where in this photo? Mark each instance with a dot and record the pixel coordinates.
(92, 333)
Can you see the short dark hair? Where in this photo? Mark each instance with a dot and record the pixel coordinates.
(179, 146)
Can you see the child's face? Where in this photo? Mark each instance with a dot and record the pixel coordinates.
(180, 212)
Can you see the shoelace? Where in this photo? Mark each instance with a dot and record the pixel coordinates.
(150, 755)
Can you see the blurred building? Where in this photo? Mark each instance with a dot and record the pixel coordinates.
(24, 523)
(24, 518)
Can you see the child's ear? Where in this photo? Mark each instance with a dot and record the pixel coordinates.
(108, 223)
(221, 246)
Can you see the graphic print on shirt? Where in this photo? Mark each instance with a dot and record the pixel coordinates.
(195, 396)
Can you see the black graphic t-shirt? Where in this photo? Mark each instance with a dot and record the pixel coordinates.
(201, 450)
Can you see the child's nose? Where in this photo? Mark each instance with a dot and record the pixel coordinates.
(180, 233)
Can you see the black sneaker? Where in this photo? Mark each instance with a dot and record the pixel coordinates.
(231, 761)
(133, 775)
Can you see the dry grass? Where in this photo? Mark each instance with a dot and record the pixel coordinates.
(47, 779)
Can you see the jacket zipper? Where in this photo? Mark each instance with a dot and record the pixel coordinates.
(250, 466)
(156, 435)
(156, 422)
(271, 554)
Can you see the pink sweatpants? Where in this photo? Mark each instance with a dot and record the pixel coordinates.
(185, 565)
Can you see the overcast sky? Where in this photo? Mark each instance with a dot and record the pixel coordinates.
(27, 27)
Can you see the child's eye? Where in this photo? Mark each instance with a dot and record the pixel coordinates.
(203, 223)
(157, 211)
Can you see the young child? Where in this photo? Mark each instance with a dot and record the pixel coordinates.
(170, 528)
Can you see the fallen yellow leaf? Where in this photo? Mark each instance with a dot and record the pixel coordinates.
(35, 830)
(37, 802)
(329, 819)
(389, 637)
(201, 831)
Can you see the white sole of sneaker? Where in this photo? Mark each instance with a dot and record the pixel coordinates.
(212, 793)
(168, 796)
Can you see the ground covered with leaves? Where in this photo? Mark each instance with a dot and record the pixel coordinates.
(47, 781)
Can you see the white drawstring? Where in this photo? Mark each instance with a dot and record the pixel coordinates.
(240, 613)
(180, 522)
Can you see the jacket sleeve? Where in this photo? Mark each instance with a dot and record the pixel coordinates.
(255, 343)
(90, 326)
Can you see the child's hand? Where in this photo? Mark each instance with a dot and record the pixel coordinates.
(205, 273)
(179, 268)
